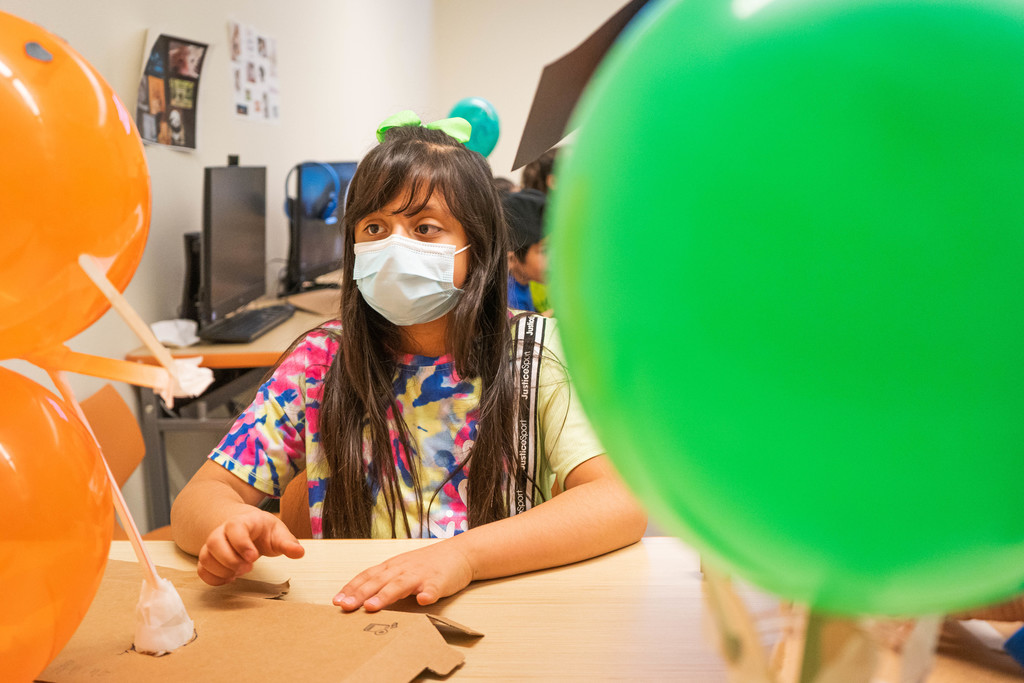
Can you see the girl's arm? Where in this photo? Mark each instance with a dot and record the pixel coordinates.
(594, 515)
(215, 518)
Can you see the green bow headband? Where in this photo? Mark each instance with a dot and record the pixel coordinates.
(456, 127)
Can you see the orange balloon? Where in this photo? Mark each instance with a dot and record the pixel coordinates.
(74, 181)
(57, 520)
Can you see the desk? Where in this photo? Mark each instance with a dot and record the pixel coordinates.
(242, 365)
(634, 614)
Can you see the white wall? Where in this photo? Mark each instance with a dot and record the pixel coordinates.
(344, 65)
(339, 77)
(496, 50)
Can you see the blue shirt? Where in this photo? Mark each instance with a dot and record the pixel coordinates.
(519, 297)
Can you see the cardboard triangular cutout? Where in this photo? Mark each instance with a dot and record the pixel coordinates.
(241, 635)
(561, 84)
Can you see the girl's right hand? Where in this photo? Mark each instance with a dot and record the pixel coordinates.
(233, 547)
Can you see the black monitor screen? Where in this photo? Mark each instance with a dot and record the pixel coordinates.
(234, 239)
(315, 228)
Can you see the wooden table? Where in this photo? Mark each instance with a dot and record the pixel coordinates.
(238, 365)
(261, 352)
(634, 614)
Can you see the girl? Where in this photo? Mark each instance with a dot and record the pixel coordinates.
(404, 416)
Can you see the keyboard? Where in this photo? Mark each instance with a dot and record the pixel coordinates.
(245, 326)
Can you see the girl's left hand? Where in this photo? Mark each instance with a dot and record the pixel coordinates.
(429, 573)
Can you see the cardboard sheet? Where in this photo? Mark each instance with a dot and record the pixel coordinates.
(562, 83)
(243, 635)
(325, 302)
(974, 659)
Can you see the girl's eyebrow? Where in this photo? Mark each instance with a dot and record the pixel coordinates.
(430, 207)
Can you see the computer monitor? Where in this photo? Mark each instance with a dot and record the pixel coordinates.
(234, 241)
(315, 228)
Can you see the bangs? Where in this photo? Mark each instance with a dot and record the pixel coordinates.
(412, 173)
(419, 186)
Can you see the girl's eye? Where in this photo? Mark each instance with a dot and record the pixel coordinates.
(373, 229)
(426, 229)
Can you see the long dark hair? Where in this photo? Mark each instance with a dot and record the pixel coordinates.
(415, 162)
(535, 173)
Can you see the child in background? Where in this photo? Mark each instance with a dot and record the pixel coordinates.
(504, 185)
(527, 259)
(539, 174)
(403, 413)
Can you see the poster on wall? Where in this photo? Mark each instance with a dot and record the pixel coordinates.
(169, 91)
(253, 73)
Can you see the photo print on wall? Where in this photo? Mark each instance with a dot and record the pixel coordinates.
(253, 73)
(169, 91)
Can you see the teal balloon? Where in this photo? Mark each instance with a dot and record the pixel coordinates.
(788, 263)
(483, 117)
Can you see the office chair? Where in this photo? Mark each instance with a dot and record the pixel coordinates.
(120, 438)
(295, 506)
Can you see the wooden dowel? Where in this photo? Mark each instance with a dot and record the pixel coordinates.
(138, 374)
(119, 503)
(138, 326)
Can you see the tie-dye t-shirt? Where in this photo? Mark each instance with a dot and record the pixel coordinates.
(278, 435)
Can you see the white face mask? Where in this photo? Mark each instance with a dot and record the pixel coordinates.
(406, 281)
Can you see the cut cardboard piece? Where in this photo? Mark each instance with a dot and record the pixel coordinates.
(976, 657)
(814, 648)
(243, 587)
(245, 637)
(325, 302)
(561, 84)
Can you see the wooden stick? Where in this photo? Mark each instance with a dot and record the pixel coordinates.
(919, 650)
(64, 358)
(138, 326)
(119, 503)
(838, 649)
(735, 631)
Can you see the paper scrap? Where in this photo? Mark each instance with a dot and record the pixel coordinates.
(192, 379)
(178, 332)
(986, 633)
(162, 624)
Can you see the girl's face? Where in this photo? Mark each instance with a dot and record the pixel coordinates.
(433, 224)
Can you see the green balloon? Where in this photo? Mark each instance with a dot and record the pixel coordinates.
(788, 261)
